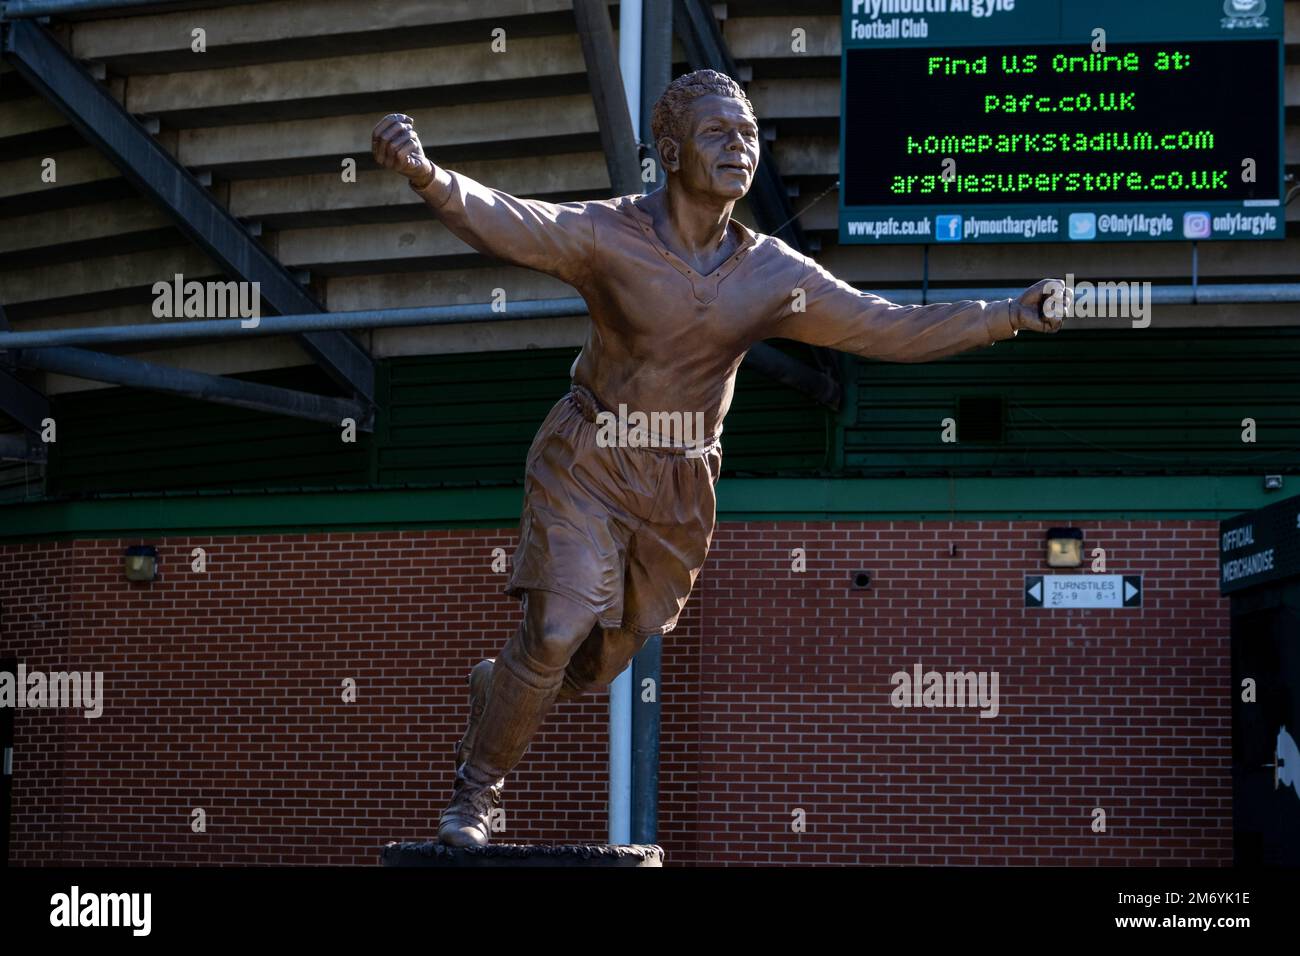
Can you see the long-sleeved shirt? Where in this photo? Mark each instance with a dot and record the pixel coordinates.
(665, 338)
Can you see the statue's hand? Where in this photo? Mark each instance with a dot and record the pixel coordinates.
(1042, 307)
(396, 146)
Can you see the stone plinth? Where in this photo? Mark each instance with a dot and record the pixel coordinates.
(432, 853)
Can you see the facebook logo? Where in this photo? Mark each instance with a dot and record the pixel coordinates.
(947, 228)
(1083, 225)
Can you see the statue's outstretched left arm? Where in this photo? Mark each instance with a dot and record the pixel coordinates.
(824, 310)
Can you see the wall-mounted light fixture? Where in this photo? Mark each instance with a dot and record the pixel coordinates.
(1064, 547)
(141, 562)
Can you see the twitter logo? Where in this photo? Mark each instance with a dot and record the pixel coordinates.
(1083, 225)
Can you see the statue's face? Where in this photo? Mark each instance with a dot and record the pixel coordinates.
(720, 155)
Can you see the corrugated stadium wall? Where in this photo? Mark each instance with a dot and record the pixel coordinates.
(1100, 404)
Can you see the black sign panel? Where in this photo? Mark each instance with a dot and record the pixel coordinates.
(1265, 695)
(914, 109)
(1260, 546)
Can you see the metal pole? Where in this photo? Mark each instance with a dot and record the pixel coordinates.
(925, 272)
(620, 688)
(1259, 293)
(656, 68)
(615, 123)
(656, 72)
(1235, 294)
(281, 324)
(26, 9)
(763, 358)
(1195, 270)
(646, 684)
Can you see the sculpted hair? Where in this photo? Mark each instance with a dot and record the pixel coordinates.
(673, 108)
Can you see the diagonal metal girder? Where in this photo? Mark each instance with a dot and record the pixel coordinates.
(120, 370)
(612, 116)
(89, 107)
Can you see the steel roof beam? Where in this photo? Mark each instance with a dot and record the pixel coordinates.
(102, 120)
(121, 370)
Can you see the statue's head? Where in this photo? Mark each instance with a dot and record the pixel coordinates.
(707, 135)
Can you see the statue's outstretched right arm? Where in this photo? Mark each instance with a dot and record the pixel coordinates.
(555, 238)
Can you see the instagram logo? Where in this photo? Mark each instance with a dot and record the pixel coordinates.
(1196, 225)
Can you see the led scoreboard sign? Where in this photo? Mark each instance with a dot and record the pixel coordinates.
(1061, 120)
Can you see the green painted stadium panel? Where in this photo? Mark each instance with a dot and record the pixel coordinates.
(130, 440)
(1114, 401)
(443, 418)
(473, 417)
(262, 511)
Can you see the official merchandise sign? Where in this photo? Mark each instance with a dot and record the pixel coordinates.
(1260, 546)
(1000, 121)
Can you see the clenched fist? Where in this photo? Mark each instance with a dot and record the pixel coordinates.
(1042, 307)
(396, 146)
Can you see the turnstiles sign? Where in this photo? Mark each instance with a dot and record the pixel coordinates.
(1083, 590)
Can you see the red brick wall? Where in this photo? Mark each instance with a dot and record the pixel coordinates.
(222, 691)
